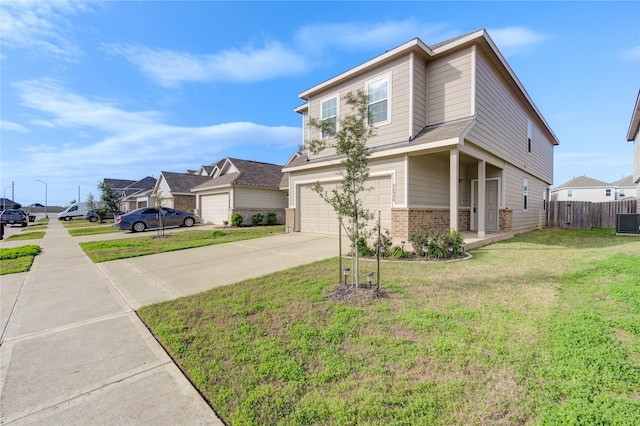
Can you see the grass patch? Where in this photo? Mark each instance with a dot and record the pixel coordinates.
(30, 235)
(18, 259)
(101, 251)
(83, 223)
(36, 227)
(93, 230)
(524, 333)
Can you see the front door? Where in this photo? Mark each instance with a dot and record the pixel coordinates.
(491, 205)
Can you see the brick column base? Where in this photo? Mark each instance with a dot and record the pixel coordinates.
(290, 219)
(506, 220)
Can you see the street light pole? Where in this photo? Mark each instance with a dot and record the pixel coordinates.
(46, 201)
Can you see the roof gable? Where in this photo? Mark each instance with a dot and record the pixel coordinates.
(583, 182)
(237, 172)
(634, 126)
(181, 182)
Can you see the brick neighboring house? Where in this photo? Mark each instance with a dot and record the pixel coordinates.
(174, 190)
(633, 135)
(240, 186)
(459, 143)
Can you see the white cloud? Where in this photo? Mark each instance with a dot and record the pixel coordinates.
(632, 54)
(41, 26)
(169, 67)
(126, 143)
(512, 40)
(14, 127)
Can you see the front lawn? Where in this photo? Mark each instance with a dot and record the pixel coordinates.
(18, 259)
(93, 229)
(151, 243)
(539, 329)
(28, 235)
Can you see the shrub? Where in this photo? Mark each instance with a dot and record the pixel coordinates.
(272, 218)
(445, 245)
(257, 219)
(236, 219)
(363, 248)
(397, 252)
(216, 234)
(225, 222)
(419, 241)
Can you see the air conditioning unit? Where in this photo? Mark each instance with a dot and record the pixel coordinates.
(628, 223)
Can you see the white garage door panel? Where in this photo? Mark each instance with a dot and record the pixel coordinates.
(215, 208)
(316, 216)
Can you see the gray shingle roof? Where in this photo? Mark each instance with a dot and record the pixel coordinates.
(118, 184)
(583, 182)
(625, 181)
(250, 173)
(183, 182)
(442, 131)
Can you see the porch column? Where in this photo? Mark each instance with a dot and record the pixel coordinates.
(482, 191)
(454, 175)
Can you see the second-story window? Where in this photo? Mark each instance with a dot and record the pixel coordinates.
(329, 117)
(529, 136)
(378, 92)
(607, 192)
(569, 192)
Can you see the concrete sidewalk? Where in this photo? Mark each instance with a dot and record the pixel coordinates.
(73, 350)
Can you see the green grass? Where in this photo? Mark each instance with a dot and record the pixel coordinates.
(101, 251)
(83, 223)
(18, 259)
(94, 229)
(540, 329)
(28, 235)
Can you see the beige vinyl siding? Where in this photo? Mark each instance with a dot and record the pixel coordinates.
(394, 165)
(259, 198)
(419, 95)
(449, 88)
(398, 128)
(501, 125)
(534, 216)
(429, 181)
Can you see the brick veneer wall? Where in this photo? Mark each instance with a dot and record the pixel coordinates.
(506, 220)
(186, 203)
(246, 214)
(407, 222)
(290, 220)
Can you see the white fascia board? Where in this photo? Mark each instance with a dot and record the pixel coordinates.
(416, 42)
(302, 108)
(407, 149)
(483, 34)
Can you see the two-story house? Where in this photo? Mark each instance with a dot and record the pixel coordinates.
(584, 188)
(459, 143)
(633, 135)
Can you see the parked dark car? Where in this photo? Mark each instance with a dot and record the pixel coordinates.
(147, 217)
(92, 216)
(14, 217)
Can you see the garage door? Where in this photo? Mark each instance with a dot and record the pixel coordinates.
(316, 216)
(214, 208)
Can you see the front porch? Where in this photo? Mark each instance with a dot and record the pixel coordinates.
(472, 241)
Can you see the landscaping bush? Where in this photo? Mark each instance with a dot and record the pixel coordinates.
(363, 248)
(236, 219)
(419, 241)
(445, 245)
(257, 219)
(272, 218)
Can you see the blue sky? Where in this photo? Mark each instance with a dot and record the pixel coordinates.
(126, 89)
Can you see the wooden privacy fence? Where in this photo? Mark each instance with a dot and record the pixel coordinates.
(587, 215)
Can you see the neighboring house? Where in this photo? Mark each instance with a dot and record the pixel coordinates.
(633, 135)
(459, 143)
(584, 188)
(240, 186)
(6, 203)
(174, 190)
(138, 194)
(118, 184)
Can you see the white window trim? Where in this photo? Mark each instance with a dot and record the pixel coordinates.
(322, 101)
(389, 109)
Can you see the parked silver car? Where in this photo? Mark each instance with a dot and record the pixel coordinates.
(149, 218)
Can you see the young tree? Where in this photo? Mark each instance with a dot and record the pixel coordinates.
(91, 202)
(109, 201)
(349, 140)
